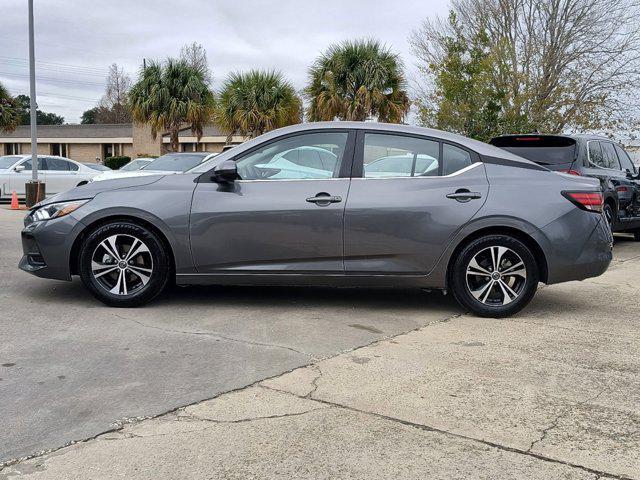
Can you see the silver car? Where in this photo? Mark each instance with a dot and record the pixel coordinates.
(435, 210)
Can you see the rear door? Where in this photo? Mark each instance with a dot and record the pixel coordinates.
(603, 164)
(62, 175)
(632, 185)
(408, 196)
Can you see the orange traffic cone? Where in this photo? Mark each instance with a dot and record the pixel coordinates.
(14, 201)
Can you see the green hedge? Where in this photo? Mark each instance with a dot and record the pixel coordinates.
(115, 163)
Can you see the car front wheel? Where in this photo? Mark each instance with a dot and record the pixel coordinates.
(494, 276)
(124, 264)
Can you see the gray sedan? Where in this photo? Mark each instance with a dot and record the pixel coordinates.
(474, 220)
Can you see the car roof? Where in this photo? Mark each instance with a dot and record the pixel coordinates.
(479, 147)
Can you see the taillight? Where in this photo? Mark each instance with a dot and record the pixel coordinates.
(590, 201)
(622, 189)
(571, 172)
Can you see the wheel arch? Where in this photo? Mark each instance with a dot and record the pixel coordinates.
(528, 240)
(74, 254)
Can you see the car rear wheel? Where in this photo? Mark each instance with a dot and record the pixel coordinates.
(609, 213)
(124, 264)
(494, 276)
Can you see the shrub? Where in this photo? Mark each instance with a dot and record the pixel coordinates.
(115, 163)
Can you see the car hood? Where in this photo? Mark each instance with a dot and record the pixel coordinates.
(133, 173)
(90, 190)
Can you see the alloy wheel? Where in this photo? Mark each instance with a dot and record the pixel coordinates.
(122, 264)
(496, 276)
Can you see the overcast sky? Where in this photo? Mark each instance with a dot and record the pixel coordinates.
(76, 41)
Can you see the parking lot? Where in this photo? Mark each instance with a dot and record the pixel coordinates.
(361, 383)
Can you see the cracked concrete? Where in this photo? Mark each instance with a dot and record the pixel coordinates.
(77, 369)
(553, 393)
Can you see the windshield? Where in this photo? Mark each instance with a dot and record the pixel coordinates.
(176, 162)
(134, 165)
(8, 160)
(545, 150)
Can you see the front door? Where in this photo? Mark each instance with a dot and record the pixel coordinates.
(413, 194)
(285, 213)
(19, 179)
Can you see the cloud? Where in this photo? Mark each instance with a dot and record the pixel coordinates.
(77, 41)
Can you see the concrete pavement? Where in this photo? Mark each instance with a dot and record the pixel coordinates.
(551, 393)
(71, 368)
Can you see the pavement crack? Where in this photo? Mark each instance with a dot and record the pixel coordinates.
(117, 427)
(563, 414)
(314, 382)
(220, 336)
(506, 448)
(255, 419)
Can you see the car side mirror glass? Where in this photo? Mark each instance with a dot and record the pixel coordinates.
(226, 172)
(19, 168)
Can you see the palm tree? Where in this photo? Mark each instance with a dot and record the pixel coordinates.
(255, 102)
(9, 116)
(357, 80)
(171, 96)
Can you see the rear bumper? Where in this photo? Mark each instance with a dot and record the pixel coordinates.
(579, 246)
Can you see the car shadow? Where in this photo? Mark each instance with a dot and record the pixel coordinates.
(289, 297)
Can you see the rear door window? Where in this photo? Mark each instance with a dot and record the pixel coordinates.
(454, 159)
(610, 157)
(57, 164)
(625, 161)
(595, 154)
(388, 156)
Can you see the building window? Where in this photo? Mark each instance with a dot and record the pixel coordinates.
(107, 150)
(12, 149)
(59, 149)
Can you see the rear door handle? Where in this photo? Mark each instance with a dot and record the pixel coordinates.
(464, 195)
(323, 199)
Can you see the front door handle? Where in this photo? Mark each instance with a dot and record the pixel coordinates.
(464, 195)
(323, 199)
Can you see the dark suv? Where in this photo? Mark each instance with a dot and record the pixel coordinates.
(590, 156)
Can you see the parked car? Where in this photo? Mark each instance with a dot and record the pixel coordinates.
(486, 225)
(590, 156)
(166, 164)
(58, 173)
(97, 166)
(136, 164)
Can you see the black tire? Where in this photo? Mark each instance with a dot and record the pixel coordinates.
(636, 235)
(609, 214)
(155, 256)
(524, 286)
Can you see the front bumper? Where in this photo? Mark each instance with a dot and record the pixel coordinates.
(46, 247)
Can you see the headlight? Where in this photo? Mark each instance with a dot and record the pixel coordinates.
(56, 210)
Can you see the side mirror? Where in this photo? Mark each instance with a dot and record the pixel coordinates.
(19, 168)
(226, 172)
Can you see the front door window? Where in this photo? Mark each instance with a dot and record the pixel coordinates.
(313, 156)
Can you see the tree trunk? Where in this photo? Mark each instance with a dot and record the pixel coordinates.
(175, 144)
